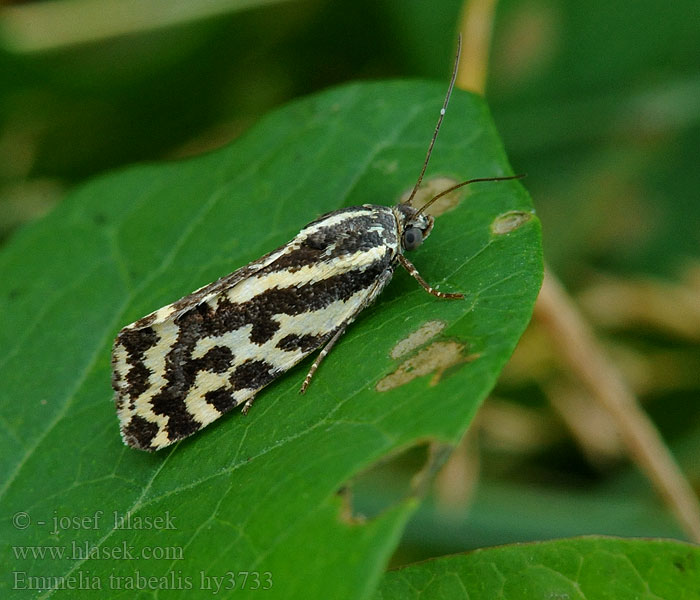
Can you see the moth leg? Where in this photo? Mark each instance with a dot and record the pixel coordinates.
(247, 405)
(406, 264)
(307, 380)
(326, 349)
(376, 289)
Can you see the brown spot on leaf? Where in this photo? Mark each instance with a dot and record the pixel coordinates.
(420, 336)
(432, 187)
(509, 221)
(435, 358)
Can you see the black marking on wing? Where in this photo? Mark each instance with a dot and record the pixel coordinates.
(305, 343)
(170, 401)
(180, 375)
(136, 342)
(221, 399)
(315, 295)
(252, 374)
(139, 433)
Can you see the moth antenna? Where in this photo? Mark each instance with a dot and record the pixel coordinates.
(467, 182)
(442, 116)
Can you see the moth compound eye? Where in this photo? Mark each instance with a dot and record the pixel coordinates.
(412, 238)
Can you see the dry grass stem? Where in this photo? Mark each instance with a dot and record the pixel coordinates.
(582, 354)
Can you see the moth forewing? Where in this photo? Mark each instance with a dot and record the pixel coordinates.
(186, 364)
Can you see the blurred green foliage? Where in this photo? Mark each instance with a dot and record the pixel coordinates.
(598, 102)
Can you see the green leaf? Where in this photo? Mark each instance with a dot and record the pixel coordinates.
(574, 569)
(255, 493)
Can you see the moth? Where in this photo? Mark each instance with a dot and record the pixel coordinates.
(181, 367)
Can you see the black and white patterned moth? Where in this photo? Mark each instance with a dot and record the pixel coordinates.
(186, 364)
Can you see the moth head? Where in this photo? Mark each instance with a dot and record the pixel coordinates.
(414, 226)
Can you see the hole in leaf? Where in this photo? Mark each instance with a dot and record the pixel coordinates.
(392, 480)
